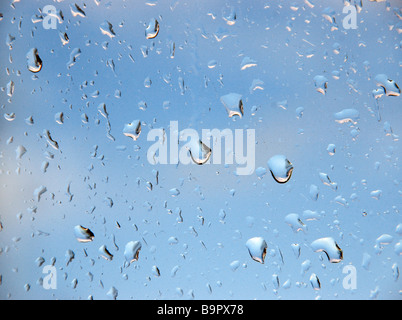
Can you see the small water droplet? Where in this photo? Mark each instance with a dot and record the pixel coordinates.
(247, 62)
(390, 87)
(233, 104)
(153, 29)
(315, 282)
(38, 192)
(107, 29)
(104, 252)
(132, 129)
(321, 84)
(20, 151)
(34, 62)
(294, 221)
(347, 115)
(83, 234)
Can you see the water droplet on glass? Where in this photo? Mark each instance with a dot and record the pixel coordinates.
(155, 271)
(331, 149)
(10, 88)
(315, 282)
(314, 192)
(132, 251)
(105, 253)
(257, 248)
(83, 234)
(321, 84)
(20, 151)
(294, 221)
(327, 181)
(281, 168)
(112, 293)
(133, 129)
(199, 152)
(153, 29)
(247, 62)
(75, 53)
(330, 247)
(347, 115)
(34, 61)
(233, 104)
(107, 29)
(390, 87)
(76, 11)
(38, 192)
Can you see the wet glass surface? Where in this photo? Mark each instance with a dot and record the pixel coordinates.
(200, 149)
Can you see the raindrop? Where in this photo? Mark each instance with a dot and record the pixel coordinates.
(257, 248)
(315, 282)
(83, 234)
(321, 84)
(199, 152)
(107, 29)
(34, 61)
(153, 29)
(77, 11)
(10, 88)
(247, 62)
(330, 247)
(347, 115)
(104, 252)
(294, 221)
(281, 168)
(20, 151)
(233, 104)
(156, 272)
(314, 192)
(133, 129)
(132, 251)
(331, 149)
(390, 87)
(38, 192)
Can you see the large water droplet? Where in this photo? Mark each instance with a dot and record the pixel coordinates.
(330, 247)
(76, 11)
(257, 248)
(281, 168)
(132, 251)
(83, 234)
(233, 104)
(199, 152)
(107, 29)
(153, 29)
(34, 61)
